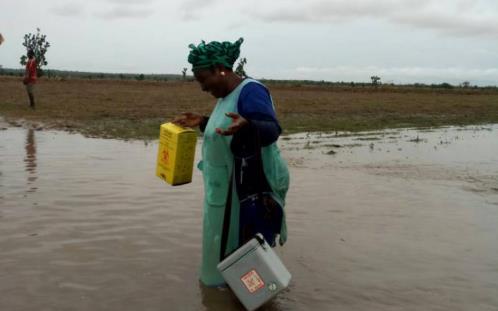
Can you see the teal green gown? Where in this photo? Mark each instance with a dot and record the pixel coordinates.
(216, 166)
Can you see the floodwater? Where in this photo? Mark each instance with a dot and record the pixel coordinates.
(392, 220)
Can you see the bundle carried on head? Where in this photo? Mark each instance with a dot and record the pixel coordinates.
(214, 53)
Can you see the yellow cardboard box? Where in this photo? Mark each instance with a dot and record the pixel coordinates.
(175, 157)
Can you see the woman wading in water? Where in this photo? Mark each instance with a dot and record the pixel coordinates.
(239, 151)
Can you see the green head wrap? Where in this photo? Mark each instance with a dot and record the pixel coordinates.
(214, 53)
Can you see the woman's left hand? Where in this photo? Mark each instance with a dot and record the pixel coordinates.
(237, 123)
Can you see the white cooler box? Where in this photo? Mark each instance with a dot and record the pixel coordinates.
(254, 273)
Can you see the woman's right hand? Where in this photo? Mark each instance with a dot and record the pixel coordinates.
(188, 119)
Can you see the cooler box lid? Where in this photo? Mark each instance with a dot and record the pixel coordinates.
(250, 246)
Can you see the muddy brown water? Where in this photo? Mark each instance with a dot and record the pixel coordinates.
(392, 220)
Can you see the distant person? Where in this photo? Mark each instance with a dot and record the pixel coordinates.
(30, 78)
(241, 163)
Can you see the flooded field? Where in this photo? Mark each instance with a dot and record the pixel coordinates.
(391, 220)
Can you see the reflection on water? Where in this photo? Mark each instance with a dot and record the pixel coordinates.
(30, 159)
(220, 299)
(214, 299)
(396, 220)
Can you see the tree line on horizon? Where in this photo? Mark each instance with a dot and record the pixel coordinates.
(65, 74)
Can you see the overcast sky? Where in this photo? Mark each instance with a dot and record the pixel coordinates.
(402, 41)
